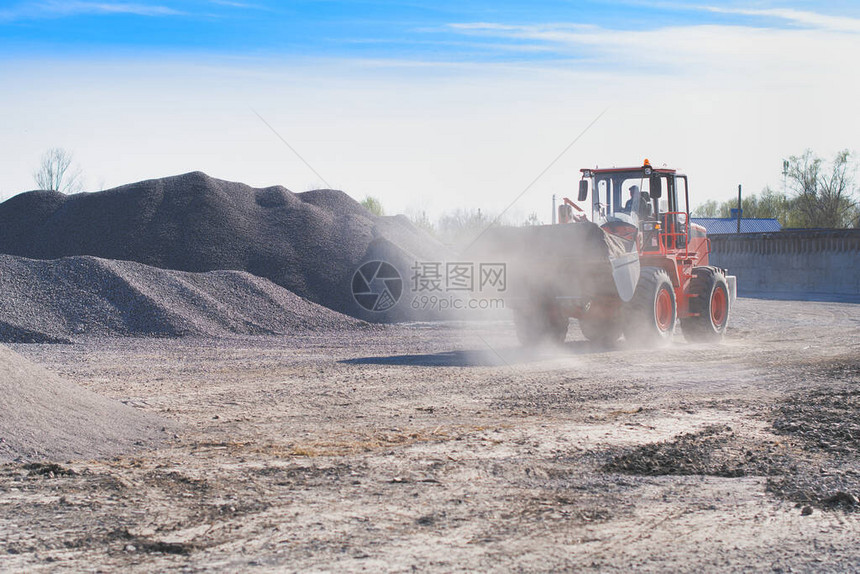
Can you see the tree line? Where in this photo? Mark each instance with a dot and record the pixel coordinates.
(817, 194)
(455, 227)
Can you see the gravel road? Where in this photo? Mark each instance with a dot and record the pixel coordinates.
(444, 447)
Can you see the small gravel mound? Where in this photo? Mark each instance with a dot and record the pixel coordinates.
(53, 301)
(713, 451)
(43, 417)
(826, 420)
(826, 424)
(837, 489)
(310, 243)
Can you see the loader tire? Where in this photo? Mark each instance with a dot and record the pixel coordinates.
(540, 324)
(649, 317)
(709, 306)
(601, 331)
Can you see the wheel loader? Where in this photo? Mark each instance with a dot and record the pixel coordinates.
(634, 268)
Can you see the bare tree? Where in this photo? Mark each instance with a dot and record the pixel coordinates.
(823, 198)
(532, 219)
(57, 173)
(837, 191)
(420, 220)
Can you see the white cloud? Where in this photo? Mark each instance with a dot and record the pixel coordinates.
(232, 4)
(59, 9)
(772, 54)
(799, 17)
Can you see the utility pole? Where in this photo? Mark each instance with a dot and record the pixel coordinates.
(739, 208)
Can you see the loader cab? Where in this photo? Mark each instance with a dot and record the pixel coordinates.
(640, 204)
(622, 201)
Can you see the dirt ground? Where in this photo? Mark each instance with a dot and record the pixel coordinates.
(447, 448)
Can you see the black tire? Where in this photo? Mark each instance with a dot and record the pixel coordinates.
(649, 317)
(601, 331)
(709, 306)
(540, 324)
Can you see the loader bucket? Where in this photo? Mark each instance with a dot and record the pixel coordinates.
(572, 262)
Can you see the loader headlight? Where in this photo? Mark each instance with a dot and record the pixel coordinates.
(650, 226)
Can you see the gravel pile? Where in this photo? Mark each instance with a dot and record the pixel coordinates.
(826, 420)
(836, 488)
(310, 243)
(827, 424)
(713, 451)
(55, 300)
(825, 474)
(43, 417)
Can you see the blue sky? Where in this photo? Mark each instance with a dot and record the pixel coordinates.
(434, 31)
(429, 106)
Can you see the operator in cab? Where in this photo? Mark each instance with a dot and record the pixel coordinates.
(644, 202)
(628, 207)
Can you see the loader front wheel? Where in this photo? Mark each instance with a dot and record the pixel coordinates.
(651, 313)
(541, 324)
(709, 306)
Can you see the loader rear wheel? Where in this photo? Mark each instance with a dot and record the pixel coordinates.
(709, 306)
(539, 324)
(601, 331)
(651, 313)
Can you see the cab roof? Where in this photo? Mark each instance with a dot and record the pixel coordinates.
(643, 167)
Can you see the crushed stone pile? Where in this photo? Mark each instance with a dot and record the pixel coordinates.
(713, 451)
(310, 243)
(43, 417)
(49, 301)
(826, 421)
